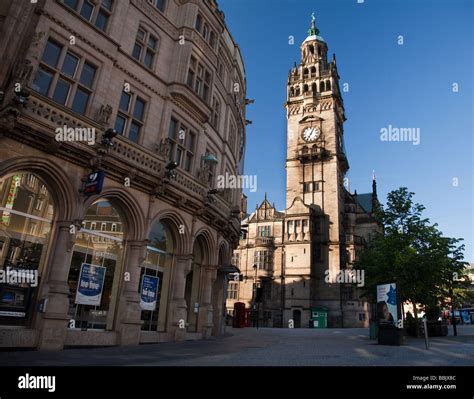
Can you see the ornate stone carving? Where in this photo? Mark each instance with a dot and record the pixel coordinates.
(163, 148)
(104, 113)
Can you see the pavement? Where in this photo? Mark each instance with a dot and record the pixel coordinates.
(267, 347)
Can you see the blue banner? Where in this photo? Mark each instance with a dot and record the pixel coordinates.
(149, 292)
(90, 285)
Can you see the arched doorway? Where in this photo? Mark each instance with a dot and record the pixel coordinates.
(155, 277)
(297, 318)
(96, 267)
(193, 285)
(26, 216)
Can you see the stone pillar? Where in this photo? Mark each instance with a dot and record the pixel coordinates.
(218, 305)
(205, 321)
(54, 323)
(178, 310)
(128, 315)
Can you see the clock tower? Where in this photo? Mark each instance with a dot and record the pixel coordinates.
(315, 167)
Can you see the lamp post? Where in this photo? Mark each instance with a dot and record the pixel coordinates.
(254, 301)
(452, 310)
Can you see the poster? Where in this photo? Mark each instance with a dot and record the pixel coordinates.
(90, 285)
(149, 292)
(387, 304)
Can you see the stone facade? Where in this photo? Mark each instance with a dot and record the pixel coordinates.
(168, 77)
(298, 257)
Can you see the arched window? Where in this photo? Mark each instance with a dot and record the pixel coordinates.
(205, 31)
(313, 72)
(26, 217)
(321, 87)
(292, 92)
(198, 25)
(305, 88)
(328, 85)
(97, 258)
(155, 277)
(314, 88)
(311, 49)
(305, 73)
(297, 93)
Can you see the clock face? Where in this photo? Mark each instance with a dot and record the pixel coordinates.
(310, 134)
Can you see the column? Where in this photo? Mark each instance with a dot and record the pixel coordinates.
(205, 310)
(128, 320)
(54, 322)
(178, 310)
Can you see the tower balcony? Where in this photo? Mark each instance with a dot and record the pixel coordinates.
(312, 154)
(264, 241)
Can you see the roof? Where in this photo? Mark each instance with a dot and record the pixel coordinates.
(365, 201)
(314, 37)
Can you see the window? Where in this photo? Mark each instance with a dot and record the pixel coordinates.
(199, 79)
(216, 110)
(198, 24)
(103, 226)
(309, 187)
(212, 40)
(145, 48)
(130, 116)
(263, 231)
(160, 4)
(114, 227)
(65, 77)
(205, 31)
(96, 12)
(181, 143)
(236, 259)
(39, 205)
(263, 260)
(361, 316)
(233, 290)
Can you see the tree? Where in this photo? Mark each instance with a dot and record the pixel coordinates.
(413, 253)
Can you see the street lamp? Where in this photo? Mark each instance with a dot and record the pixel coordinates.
(254, 301)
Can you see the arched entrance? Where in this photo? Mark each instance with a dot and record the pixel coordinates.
(26, 216)
(155, 277)
(193, 285)
(95, 268)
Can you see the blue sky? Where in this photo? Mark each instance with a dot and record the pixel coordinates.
(409, 85)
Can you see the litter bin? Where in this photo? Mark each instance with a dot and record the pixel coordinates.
(319, 318)
(373, 329)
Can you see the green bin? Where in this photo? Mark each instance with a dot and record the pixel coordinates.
(319, 318)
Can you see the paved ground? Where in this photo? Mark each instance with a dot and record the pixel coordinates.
(268, 347)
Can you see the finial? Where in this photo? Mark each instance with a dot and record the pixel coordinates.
(313, 31)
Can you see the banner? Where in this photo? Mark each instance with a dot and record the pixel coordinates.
(387, 304)
(90, 285)
(149, 292)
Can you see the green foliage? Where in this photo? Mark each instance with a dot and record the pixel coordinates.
(414, 254)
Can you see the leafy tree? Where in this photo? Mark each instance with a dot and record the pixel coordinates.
(413, 253)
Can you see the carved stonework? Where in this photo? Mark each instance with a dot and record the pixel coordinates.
(104, 113)
(22, 72)
(163, 148)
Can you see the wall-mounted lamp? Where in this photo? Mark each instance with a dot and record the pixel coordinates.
(210, 159)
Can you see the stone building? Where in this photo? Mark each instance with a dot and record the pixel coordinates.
(116, 118)
(301, 258)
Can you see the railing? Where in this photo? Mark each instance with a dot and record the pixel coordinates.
(264, 241)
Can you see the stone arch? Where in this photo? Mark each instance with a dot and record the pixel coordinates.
(174, 221)
(208, 243)
(65, 197)
(328, 85)
(305, 88)
(305, 72)
(314, 88)
(313, 72)
(321, 86)
(223, 254)
(133, 216)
